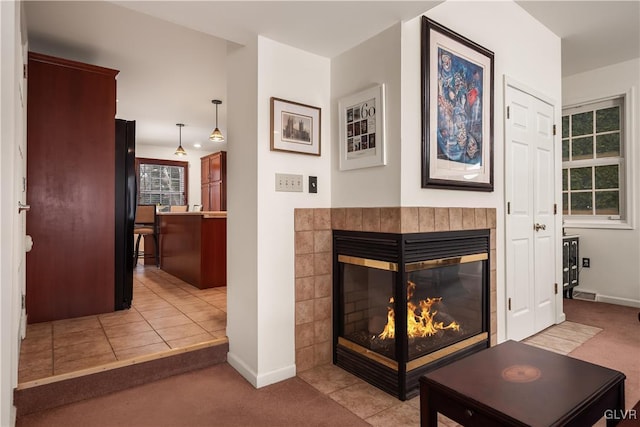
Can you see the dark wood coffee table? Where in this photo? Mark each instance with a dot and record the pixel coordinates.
(517, 384)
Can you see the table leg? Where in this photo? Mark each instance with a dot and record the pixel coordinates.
(428, 414)
(618, 411)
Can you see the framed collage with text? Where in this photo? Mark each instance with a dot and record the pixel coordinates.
(295, 127)
(457, 110)
(362, 129)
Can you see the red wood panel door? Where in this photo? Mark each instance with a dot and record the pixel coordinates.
(71, 188)
(217, 187)
(213, 180)
(205, 199)
(215, 192)
(215, 166)
(204, 170)
(214, 252)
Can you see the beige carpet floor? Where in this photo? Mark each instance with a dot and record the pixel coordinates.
(215, 396)
(608, 335)
(617, 346)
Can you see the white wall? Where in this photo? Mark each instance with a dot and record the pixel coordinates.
(614, 275)
(294, 75)
(529, 54)
(525, 51)
(194, 196)
(375, 61)
(262, 335)
(242, 210)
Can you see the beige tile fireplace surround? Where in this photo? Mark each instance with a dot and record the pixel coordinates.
(313, 262)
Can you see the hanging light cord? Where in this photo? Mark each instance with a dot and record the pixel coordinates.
(180, 151)
(216, 135)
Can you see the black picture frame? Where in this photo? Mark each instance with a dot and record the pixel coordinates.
(295, 127)
(457, 110)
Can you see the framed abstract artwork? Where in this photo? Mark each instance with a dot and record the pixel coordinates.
(457, 111)
(295, 127)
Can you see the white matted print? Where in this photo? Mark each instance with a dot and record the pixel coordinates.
(362, 129)
(295, 127)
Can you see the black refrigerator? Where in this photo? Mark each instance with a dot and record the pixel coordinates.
(125, 211)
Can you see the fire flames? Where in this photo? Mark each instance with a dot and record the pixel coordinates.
(418, 325)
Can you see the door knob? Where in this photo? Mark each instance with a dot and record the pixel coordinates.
(538, 227)
(22, 207)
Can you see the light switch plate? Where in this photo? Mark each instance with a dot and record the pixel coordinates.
(288, 182)
(313, 184)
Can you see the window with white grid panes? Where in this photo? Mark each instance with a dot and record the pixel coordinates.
(593, 160)
(161, 182)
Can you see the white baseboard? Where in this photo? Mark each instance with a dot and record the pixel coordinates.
(276, 376)
(242, 369)
(260, 380)
(619, 301)
(610, 299)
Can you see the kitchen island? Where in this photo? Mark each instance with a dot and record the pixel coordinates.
(193, 247)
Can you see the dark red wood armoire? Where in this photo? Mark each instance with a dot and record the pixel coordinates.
(71, 109)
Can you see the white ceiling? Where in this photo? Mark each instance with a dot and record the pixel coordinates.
(171, 53)
(594, 33)
(326, 28)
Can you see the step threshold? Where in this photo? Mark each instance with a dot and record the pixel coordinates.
(57, 390)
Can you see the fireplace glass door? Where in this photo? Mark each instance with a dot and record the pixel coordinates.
(408, 303)
(366, 304)
(444, 302)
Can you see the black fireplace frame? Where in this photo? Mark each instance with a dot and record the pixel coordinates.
(402, 249)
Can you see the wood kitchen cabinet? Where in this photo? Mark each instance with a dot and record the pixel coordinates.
(194, 247)
(213, 181)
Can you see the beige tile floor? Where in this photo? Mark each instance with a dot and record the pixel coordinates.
(382, 410)
(167, 313)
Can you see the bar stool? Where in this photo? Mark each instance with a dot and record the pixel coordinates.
(145, 225)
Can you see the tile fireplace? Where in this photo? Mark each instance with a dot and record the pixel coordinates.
(406, 303)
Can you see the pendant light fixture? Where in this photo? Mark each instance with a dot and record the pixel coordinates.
(216, 135)
(180, 151)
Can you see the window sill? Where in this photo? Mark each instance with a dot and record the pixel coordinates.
(603, 224)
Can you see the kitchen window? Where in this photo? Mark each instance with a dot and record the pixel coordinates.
(594, 164)
(161, 182)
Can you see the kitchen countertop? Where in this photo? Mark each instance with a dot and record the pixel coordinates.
(205, 214)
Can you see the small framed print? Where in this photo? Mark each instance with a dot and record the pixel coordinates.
(295, 127)
(362, 129)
